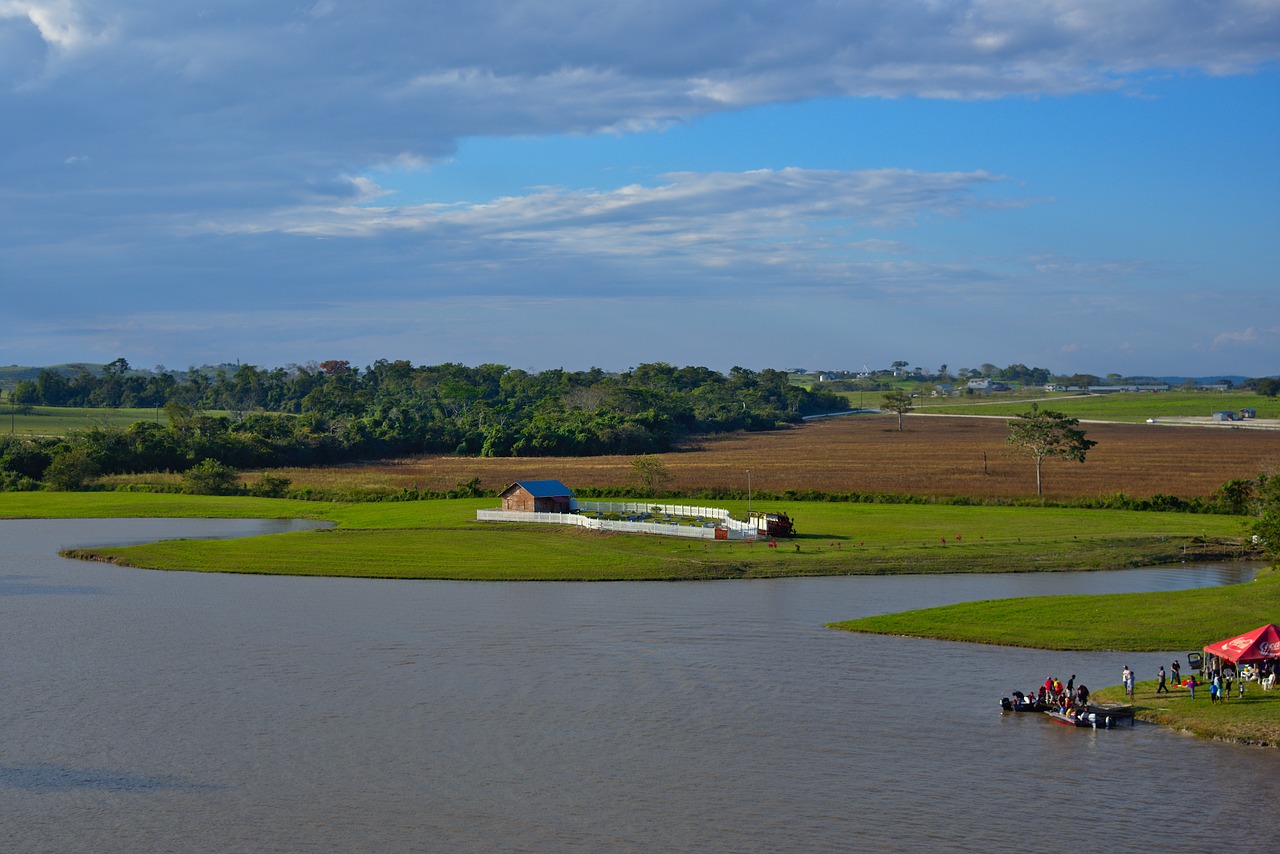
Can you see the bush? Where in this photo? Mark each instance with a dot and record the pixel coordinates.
(13, 482)
(270, 486)
(210, 477)
(70, 470)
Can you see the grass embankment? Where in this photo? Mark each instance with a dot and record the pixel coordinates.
(442, 540)
(1134, 622)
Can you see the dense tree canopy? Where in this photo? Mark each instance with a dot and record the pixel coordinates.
(331, 411)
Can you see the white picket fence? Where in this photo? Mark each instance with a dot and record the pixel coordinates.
(715, 518)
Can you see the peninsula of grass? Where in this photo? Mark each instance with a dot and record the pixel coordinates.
(441, 540)
(1131, 622)
(1135, 622)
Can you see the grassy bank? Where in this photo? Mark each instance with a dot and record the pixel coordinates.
(1251, 719)
(441, 539)
(1138, 622)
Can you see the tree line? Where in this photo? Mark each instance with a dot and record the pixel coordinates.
(251, 417)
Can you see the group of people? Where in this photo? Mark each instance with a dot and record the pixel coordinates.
(1054, 694)
(1222, 676)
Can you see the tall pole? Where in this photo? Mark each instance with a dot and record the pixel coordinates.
(748, 495)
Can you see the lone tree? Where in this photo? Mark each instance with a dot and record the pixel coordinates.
(1043, 433)
(650, 471)
(210, 477)
(899, 402)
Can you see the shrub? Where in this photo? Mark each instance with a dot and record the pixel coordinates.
(70, 470)
(270, 486)
(210, 477)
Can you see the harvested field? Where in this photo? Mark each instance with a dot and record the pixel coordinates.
(935, 455)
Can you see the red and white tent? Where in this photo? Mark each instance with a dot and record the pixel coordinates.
(1261, 644)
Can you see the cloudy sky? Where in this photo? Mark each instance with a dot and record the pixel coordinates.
(1080, 185)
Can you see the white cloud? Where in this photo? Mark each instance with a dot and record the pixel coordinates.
(1254, 335)
(343, 86)
(810, 219)
(254, 125)
(749, 202)
(58, 21)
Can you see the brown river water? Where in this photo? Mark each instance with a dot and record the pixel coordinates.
(182, 712)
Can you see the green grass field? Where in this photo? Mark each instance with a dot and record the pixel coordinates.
(58, 420)
(441, 539)
(1120, 406)
(1179, 619)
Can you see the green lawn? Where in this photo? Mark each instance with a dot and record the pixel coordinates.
(1253, 718)
(1179, 619)
(441, 539)
(57, 420)
(1120, 406)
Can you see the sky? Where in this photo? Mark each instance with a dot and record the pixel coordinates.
(1078, 185)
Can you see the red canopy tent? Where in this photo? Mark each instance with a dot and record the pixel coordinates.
(1261, 644)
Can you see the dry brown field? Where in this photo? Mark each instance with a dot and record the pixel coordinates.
(933, 456)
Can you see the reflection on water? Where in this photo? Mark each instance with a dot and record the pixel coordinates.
(195, 712)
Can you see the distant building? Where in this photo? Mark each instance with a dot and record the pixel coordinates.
(538, 496)
(1224, 416)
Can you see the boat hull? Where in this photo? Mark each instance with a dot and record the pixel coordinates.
(1094, 717)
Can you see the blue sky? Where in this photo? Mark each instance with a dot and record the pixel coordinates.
(1081, 186)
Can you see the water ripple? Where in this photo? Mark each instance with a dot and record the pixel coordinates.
(61, 778)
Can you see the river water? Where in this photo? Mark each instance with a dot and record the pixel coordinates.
(147, 711)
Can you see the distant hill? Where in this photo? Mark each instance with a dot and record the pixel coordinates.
(11, 375)
(1212, 379)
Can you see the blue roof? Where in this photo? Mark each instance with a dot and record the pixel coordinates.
(544, 488)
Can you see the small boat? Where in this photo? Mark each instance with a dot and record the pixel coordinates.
(1097, 717)
(1021, 703)
(1012, 706)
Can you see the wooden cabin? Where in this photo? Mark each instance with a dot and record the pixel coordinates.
(537, 496)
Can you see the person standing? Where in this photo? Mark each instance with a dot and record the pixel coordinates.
(1177, 676)
(1161, 688)
(1126, 677)
(1191, 685)
(1071, 685)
